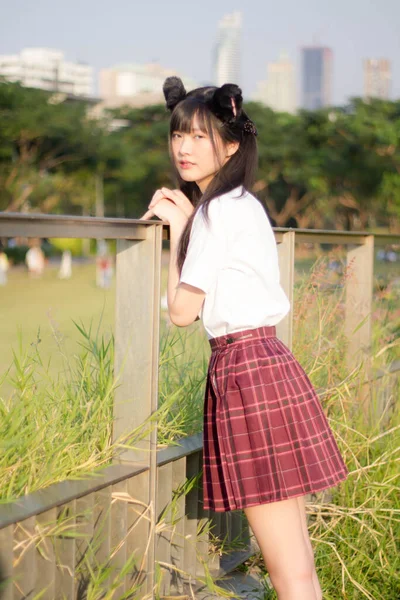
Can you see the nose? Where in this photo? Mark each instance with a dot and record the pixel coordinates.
(185, 145)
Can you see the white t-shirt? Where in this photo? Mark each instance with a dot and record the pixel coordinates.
(234, 259)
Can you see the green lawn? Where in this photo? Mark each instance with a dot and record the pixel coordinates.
(52, 305)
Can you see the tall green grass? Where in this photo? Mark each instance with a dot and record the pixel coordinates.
(354, 527)
(52, 428)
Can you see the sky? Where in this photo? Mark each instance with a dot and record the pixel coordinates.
(181, 35)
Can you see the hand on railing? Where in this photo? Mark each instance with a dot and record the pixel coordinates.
(168, 207)
(179, 199)
(175, 196)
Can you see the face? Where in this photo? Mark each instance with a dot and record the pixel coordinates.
(194, 155)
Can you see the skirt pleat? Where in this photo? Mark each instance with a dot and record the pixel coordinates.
(266, 437)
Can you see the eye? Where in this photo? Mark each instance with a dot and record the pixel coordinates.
(199, 136)
(175, 135)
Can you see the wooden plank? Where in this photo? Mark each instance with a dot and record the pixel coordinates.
(6, 563)
(68, 226)
(45, 556)
(12, 223)
(119, 528)
(139, 525)
(245, 534)
(286, 253)
(84, 552)
(187, 445)
(102, 528)
(203, 523)
(177, 538)
(163, 537)
(24, 559)
(64, 547)
(191, 517)
(236, 527)
(63, 492)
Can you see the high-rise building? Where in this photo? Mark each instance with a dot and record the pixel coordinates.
(226, 59)
(135, 85)
(377, 78)
(46, 69)
(279, 90)
(316, 77)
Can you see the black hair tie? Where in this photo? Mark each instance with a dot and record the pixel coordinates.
(249, 127)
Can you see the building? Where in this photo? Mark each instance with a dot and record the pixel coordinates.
(135, 85)
(226, 59)
(46, 69)
(316, 77)
(377, 78)
(279, 90)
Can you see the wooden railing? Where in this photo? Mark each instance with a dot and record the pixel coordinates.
(118, 513)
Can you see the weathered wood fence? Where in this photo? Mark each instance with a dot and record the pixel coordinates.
(117, 513)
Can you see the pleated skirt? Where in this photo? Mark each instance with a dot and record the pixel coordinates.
(265, 436)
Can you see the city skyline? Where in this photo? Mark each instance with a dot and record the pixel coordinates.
(316, 77)
(101, 38)
(227, 50)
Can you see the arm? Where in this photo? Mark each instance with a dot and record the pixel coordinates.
(184, 300)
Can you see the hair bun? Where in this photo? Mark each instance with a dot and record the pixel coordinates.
(222, 102)
(174, 91)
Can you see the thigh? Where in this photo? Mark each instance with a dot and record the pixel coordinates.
(279, 530)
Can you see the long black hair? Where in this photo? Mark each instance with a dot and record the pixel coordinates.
(219, 113)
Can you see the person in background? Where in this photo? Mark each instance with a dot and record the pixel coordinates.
(65, 270)
(4, 266)
(35, 260)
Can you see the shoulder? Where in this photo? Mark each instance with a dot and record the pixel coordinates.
(243, 206)
(236, 207)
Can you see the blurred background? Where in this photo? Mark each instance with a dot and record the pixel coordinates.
(83, 130)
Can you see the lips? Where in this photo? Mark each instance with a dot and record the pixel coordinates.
(185, 164)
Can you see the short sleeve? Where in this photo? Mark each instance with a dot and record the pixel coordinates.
(206, 249)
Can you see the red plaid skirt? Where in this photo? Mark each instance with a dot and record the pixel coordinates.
(266, 437)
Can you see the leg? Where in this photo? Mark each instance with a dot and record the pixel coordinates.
(301, 500)
(279, 530)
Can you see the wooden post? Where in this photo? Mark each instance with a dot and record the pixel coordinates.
(286, 247)
(137, 356)
(359, 281)
(360, 264)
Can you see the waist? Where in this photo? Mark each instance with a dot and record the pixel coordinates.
(222, 341)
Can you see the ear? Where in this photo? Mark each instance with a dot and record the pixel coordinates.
(231, 148)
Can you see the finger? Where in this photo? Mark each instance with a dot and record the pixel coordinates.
(182, 196)
(168, 193)
(147, 215)
(183, 202)
(156, 198)
(173, 196)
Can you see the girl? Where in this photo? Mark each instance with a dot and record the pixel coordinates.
(267, 442)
